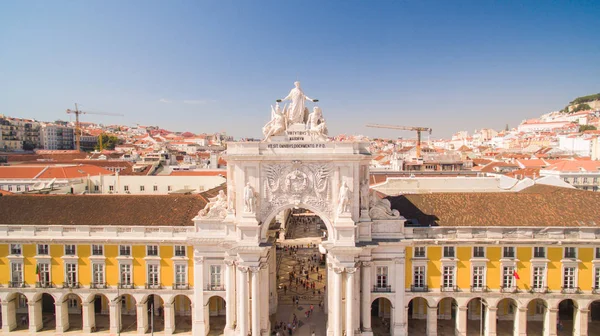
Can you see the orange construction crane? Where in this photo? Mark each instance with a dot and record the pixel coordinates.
(407, 128)
(77, 112)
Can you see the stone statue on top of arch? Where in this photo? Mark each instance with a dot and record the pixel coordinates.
(297, 112)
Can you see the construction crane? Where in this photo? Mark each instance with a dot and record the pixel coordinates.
(77, 112)
(407, 128)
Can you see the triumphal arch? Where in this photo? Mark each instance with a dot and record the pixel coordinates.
(297, 166)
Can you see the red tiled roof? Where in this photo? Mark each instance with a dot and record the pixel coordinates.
(199, 173)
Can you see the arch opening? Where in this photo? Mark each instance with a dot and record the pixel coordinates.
(476, 314)
(182, 310)
(536, 317)
(417, 316)
(216, 315)
(269, 223)
(594, 318)
(101, 320)
(48, 316)
(155, 308)
(19, 306)
(506, 314)
(128, 317)
(382, 313)
(74, 312)
(446, 312)
(566, 316)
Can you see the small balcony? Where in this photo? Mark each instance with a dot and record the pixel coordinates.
(571, 290)
(71, 285)
(479, 289)
(417, 289)
(17, 284)
(126, 285)
(153, 286)
(44, 284)
(509, 289)
(98, 285)
(215, 288)
(181, 286)
(448, 289)
(382, 289)
(540, 290)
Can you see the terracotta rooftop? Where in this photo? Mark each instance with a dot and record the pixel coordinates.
(147, 210)
(199, 173)
(538, 205)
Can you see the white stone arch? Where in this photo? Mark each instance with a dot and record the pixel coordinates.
(208, 297)
(36, 296)
(62, 297)
(384, 296)
(326, 219)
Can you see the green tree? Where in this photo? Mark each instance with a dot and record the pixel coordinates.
(108, 142)
(584, 128)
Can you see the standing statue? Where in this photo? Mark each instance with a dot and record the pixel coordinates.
(364, 195)
(278, 123)
(344, 198)
(316, 125)
(297, 111)
(249, 198)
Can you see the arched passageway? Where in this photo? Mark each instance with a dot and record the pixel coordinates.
(155, 307)
(417, 316)
(18, 313)
(566, 315)
(594, 318)
(101, 321)
(506, 316)
(476, 313)
(128, 316)
(216, 315)
(447, 309)
(381, 316)
(182, 306)
(47, 305)
(73, 320)
(536, 315)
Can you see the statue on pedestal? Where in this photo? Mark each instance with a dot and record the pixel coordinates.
(344, 199)
(278, 123)
(316, 125)
(216, 206)
(297, 112)
(249, 198)
(381, 208)
(364, 194)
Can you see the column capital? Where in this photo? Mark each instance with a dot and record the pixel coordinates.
(351, 270)
(168, 304)
(31, 303)
(399, 260)
(254, 269)
(522, 309)
(338, 270)
(492, 308)
(199, 259)
(229, 262)
(584, 310)
(366, 263)
(463, 308)
(243, 269)
(553, 310)
(140, 305)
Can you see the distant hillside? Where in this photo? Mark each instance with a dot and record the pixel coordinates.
(584, 103)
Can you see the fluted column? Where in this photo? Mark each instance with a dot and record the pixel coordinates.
(350, 300)
(432, 316)
(337, 301)
(366, 296)
(255, 301)
(229, 294)
(243, 301)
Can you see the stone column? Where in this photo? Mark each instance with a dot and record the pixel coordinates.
(336, 303)
(169, 311)
(255, 301)
(89, 316)
(61, 313)
(550, 321)
(432, 316)
(490, 321)
(142, 317)
(35, 316)
(366, 297)
(115, 316)
(350, 300)
(265, 296)
(242, 322)
(198, 321)
(229, 294)
(9, 321)
(520, 323)
(580, 322)
(400, 326)
(461, 321)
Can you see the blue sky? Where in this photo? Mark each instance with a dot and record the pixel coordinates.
(217, 65)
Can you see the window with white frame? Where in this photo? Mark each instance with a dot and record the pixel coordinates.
(508, 277)
(71, 274)
(570, 252)
(43, 273)
(16, 275)
(215, 276)
(153, 276)
(70, 250)
(508, 252)
(97, 250)
(126, 277)
(42, 249)
(478, 277)
(98, 274)
(382, 276)
(597, 278)
(478, 252)
(155, 188)
(448, 251)
(15, 249)
(539, 273)
(420, 251)
(152, 250)
(448, 277)
(181, 275)
(125, 250)
(180, 251)
(539, 252)
(142, 188)
(419, 276)
(569, 278)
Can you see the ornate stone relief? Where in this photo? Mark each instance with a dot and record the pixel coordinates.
(295, 183)
(381, 208)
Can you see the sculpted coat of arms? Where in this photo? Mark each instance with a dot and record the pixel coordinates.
(296, 183)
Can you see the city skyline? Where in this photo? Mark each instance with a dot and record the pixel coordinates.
(195, 67)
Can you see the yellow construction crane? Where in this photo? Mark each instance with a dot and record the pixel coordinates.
(77, 112)
(406, 128)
